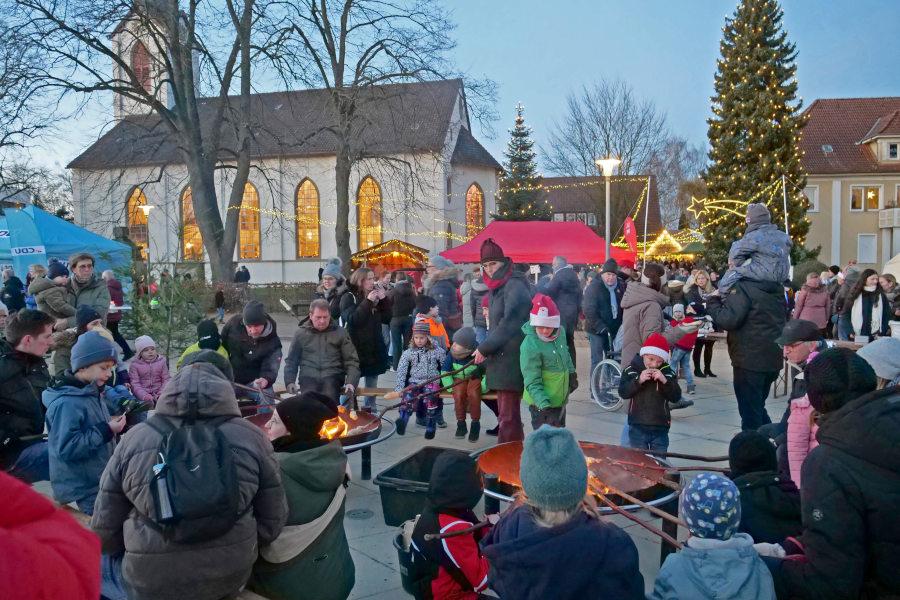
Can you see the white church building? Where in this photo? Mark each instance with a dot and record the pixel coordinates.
(427, 180)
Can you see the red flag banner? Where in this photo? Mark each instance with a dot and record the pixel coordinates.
(630, 234)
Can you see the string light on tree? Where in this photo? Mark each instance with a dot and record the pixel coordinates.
(520, 196)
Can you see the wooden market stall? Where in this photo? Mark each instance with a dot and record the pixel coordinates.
(392, 255)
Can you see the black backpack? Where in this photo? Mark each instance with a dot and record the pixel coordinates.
(194, 484)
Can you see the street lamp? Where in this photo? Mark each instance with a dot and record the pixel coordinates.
(146, 208)
(607, 165)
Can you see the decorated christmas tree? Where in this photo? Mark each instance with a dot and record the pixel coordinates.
(520, 197)
(754, 134)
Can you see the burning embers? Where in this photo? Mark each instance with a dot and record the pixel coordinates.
(340, 425)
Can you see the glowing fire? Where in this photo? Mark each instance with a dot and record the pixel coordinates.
(337, 427)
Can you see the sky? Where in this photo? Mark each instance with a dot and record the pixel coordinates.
(539, 51)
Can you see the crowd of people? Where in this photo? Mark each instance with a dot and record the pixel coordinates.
(196, 502)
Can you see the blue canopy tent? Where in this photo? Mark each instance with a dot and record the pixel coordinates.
(29, 235)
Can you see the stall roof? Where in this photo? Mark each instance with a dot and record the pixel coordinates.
(538, 242)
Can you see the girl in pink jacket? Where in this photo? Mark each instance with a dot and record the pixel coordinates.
(149, 371)
(801, 432)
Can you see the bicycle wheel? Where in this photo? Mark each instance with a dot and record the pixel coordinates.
(605, 385)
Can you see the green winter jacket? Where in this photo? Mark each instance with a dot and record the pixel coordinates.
(324, 570)
(51, 298)
(545, 369)
(94, 293)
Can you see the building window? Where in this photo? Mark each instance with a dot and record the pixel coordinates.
(140, 65)
(892, 151)
(592, 219)
(812, 194)
(249, 224)
(191, 240)
(866, 248)
(559, 217)
(865, 197)
(368, 213)
(138, 231)
(474, 210)
(307, 220)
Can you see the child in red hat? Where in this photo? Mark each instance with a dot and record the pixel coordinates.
(650, 383)
(547, 368)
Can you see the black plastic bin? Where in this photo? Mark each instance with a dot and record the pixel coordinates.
(404, 486)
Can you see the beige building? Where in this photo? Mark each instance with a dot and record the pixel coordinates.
(852, 155)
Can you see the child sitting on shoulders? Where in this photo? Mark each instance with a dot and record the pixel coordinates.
(419, 363)
(466, 384)
(81, 431)
(149, 371)
(547, 368)
(650, 384)
(427, 311)
(763, 254)
(717, 561)
(684, 348)
(454, 567)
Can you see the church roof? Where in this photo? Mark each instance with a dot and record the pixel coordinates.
(469, 152)
(397, 118)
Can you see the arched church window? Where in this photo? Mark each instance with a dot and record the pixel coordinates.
(136, 220)
(140, 64)
(474, 210)
(368, 215)
(191, 240)
(249, 224)
(307, 220)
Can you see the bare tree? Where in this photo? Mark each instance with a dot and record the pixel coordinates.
(605, 118)
(205, 50)
(49, 189)
(676, 163)
(353, 48)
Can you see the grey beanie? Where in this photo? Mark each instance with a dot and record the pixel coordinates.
(91, 348)
(465, 337)
(438, 261)
(883, 355)
(678, 308)
(255, 313)
(758, 214)
(333, 269)
(610, 266)
(553, 470)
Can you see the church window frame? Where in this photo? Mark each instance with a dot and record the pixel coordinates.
(474, 210)
(369, 213)
(307, 215)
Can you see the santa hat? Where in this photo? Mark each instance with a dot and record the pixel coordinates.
(656, 345)
(544, 312)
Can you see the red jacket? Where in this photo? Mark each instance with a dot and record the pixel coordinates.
(464, 552)
(46, 553)
(687, 341)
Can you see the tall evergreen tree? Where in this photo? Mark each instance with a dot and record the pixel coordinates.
(755, 131)
(520, 197)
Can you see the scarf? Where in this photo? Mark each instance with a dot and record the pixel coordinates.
(502, 276)
(613, 301)
(550, 338)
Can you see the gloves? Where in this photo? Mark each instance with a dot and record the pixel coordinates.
(773, 550)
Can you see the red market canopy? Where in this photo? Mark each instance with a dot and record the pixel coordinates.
(532, 242)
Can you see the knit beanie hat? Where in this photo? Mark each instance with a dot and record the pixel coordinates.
(835, 377)
(544, 312)
(91, 348)
(491, 251)
(610, 266)
(255, 313)
(711, 506)
(213, 358)
(142, 343)
(57, 269)
(677, 308)
(455, 481)
(85, 314)
(333, 268)
(438, 261)
(304, 414)
(421, 326)
(656, 345)
(465, 337)
(553, 470)
(751, 452)
(208, 337)
(883, 355)
(424, 304)
(758, 214)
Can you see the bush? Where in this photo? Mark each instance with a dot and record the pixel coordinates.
(805, 268)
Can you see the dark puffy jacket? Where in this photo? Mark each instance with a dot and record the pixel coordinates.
(442, 286)
(565, 289)
(403, 300)
(252, 357)
(770, 506)
(850, 495)
(324, 570)
(23, 378)
(479, 291)
(155, 567)
(508, 310)
(530, 562)
(321, 354)
(649, 404)
(13, 294)
(363, 320)
(333, 297)
(117, 297)
(753, 314)
(598, 318)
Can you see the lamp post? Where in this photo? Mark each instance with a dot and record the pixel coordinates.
(146, 208)
(607, 165)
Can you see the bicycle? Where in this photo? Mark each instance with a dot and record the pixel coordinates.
(605, 380)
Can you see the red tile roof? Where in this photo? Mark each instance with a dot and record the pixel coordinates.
(843, 124)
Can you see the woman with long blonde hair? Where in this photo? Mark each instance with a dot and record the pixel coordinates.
(696, 292)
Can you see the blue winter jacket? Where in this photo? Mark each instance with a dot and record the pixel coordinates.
(579, 560)
(80, 440)
(730, 570)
